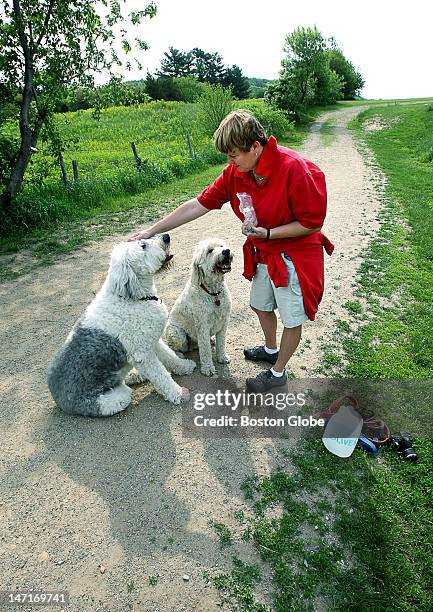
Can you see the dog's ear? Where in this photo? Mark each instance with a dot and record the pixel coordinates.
(122, 280)
(197, 274)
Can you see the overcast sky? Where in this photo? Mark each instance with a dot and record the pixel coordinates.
(388, 41)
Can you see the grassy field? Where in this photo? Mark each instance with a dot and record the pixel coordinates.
(399, 266)
(358, 534)
(158, 129)
(386, 102)
(106, 165)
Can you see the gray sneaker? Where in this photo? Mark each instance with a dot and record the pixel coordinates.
(265, 381)
(258, 353)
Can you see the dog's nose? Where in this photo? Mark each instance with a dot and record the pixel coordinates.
(226, 252)
(166, 238)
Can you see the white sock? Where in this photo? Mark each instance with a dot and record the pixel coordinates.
(271, 351)
(277, 374)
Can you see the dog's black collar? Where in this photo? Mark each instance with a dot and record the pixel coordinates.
(151, 297)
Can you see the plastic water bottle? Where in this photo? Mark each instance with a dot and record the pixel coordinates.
(342, 431)
(247, 209)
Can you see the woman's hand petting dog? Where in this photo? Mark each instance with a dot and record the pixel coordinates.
(142, 234)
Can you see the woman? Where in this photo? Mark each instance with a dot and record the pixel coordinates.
(283, 254)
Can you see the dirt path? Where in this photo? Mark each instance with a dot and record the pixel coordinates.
(90, 506)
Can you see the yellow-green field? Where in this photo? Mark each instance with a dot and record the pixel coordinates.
(158, 129)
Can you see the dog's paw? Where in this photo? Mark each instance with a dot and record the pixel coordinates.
(182, 395)
(174, 394)
(223, 358)
(185, 395)
(134, 378)
(186, 367)
(208, 369)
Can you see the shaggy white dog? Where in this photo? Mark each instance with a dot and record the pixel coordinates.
(202, 310)
(120, 330)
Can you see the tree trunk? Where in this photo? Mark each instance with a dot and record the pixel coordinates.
(29, 137)
(28, 140)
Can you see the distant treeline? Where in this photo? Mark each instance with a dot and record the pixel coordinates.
(128, 93)
(314, 72)
(181, 77)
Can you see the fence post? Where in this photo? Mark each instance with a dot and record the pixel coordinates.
(191, 150)
(138, 161)
(75, 169)
(63, 167)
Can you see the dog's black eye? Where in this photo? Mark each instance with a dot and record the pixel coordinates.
(143, 245)
(210, 250)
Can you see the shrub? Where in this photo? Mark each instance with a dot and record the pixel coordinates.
(274, 121)
(189, 89)
(214, 104)
(9, 146)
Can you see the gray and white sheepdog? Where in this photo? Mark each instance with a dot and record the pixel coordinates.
(120, 330)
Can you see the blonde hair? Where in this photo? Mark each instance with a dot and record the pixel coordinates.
(239, 129)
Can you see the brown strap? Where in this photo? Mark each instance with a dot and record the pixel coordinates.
(209, 292)
(340, 400)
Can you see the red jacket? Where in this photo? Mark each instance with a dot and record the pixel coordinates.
(293, 189)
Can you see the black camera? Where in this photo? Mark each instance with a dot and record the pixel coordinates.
(402, 443)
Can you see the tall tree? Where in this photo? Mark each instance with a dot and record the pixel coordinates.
(46, 45)
(234, 78)
(352, 79)
(176, 63)
(208, 67)
(305, 76)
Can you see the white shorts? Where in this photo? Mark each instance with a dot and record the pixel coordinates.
(265, 296)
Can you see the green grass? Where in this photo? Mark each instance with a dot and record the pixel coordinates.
(399, 265)
(327, 133)
(345, 530)
(349, 535)
(102, 146)
(224, 534)
(393, 101)
(237, 588)
(157, 128)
